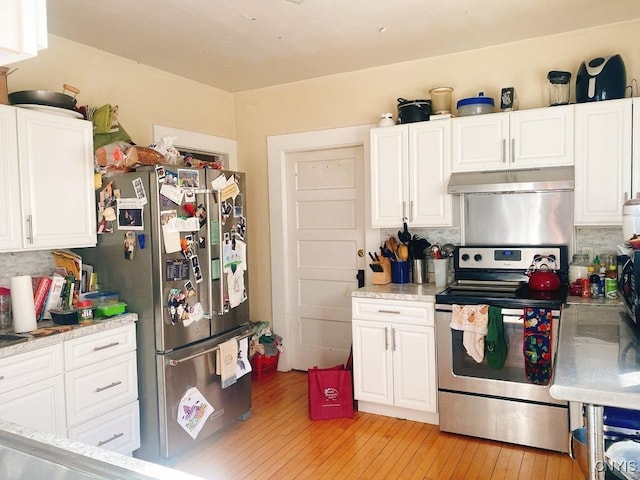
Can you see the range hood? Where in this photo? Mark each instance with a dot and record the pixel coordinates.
(514, 180)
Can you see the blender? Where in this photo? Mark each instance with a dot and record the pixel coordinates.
(558, 87)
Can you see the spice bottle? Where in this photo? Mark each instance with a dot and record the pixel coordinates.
(85, 312)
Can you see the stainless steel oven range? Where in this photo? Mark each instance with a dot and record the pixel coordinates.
(508, 399)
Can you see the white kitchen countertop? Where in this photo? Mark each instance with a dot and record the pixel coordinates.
(44, 440)
(598, 358)
(34, 343)
(424, 292)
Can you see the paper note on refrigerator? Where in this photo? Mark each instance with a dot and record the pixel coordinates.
(193, 411)
(171, 238)
(172, 192)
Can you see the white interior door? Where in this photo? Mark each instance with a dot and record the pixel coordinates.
(285, 298)
(325, 205)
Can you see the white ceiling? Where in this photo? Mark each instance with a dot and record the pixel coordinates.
(239, 45)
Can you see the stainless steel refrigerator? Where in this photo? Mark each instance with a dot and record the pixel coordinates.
(172, 241)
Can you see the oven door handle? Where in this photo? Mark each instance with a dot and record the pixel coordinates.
(513, 319)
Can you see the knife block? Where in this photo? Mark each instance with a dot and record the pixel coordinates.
(383, 277)
(4, 94)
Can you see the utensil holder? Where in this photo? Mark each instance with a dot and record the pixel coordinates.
(400, 272)
(419, 270)
(384, 277)
(440, 271)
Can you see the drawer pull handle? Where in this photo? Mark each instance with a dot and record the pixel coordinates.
(115, 437)
(395, 312)
(102, 389)
(109, 345)
(1, 377)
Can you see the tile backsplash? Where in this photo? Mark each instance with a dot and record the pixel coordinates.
(25, 263)
(597, 240)
(591, 240)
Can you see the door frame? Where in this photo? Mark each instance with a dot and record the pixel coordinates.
(277, 148)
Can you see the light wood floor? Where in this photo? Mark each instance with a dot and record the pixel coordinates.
(279, 441)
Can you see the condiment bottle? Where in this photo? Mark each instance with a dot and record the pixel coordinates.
(85, 312)
(611, 283)
(586, 293)
(602, 275)
(594, 282)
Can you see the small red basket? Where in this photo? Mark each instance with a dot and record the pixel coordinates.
(263, 367)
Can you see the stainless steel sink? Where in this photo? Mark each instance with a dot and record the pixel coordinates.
(7, 339)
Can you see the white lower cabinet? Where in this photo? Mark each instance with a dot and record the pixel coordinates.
(394, 358)
(85, 389)
(101, 386)
(39, 406)
(117, 431)
(97, 389)
(32, 390)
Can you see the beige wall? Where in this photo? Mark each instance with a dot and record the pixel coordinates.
(147, 96)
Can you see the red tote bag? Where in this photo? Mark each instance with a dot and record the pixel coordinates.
(330, 393)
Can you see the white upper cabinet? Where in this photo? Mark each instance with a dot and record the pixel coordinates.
(603, 161)
(23, 29)
(635, 142)
(540, 137)
(410, 168)
(480, 142)
(10, 215)
(47, 182)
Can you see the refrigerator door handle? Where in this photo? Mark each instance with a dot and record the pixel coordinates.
(175, 362)
(220, 256)
(208, 249)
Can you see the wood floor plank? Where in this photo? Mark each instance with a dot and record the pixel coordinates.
(515, 462)
(362, 462)
(464, 459)
(502, 462)
(489, 463)
(527, 471)
(397, 446)
(357, 442)
(279, 441)
(445, 463)
(394, 466)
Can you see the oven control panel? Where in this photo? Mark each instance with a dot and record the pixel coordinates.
(508, 258)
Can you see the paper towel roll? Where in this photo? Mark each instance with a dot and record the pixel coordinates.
(24, 310)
